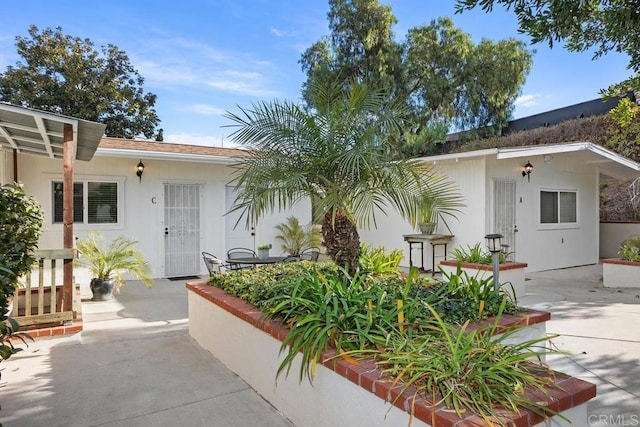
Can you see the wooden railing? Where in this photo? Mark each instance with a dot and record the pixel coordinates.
(41, 303)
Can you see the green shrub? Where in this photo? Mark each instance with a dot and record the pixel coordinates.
(415, 326)
(630, 249)
(477, 255)
(377, 262)
(20, 227)
(295, 237)
(469, 370)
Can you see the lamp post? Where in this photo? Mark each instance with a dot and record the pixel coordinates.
(495, 247)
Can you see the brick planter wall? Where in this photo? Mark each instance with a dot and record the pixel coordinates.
(236, 333)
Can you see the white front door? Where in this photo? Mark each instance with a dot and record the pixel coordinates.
(504, 212)
(181, 229)
(236, 236)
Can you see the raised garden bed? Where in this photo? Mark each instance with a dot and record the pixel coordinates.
(237, 334)
(510, 273)
(617, 273)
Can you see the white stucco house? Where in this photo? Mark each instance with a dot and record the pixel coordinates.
(549, 218)
(176, 208)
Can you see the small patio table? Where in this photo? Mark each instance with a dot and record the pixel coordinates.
(255, 261)
(434, 240)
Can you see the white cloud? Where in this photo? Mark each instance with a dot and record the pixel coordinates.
(529, 100)
(206, 110)
(240, 87)
(198, 66)
(280, 33)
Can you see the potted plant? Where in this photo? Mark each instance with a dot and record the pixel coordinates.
(263, 250)
(296, 237)
(433, 209)
(108, 262)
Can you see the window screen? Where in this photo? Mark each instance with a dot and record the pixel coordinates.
(558, 207)
(100, 202)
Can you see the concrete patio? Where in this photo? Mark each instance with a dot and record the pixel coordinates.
(135, 364)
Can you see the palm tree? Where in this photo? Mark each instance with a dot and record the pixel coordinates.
(340, 156)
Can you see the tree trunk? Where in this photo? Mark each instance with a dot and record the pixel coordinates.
(342, 240)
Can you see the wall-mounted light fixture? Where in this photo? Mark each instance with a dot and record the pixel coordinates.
(495, 247)
(140, 170)
(528, 168)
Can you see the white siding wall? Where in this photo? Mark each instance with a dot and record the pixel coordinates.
(562, 246)
(540, 248)
(467, 229)
(142, 218)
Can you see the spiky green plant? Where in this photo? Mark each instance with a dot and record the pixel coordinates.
(475, 370)
(295, 237)
(377, 261)
(112, 260)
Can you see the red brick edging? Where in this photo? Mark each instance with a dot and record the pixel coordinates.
(620, 262)
(571, 392)
(487, 267)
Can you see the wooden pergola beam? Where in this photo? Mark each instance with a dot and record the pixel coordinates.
(68, 157)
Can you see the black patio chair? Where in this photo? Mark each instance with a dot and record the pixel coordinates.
(213, 263)
(291, 258)
(310, 254)
(236, 253)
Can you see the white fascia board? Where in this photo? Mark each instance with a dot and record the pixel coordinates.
(454, 157)
(541, 150)
(162, 155)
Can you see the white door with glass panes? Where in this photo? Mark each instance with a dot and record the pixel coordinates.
(181, 229)
(504, 213)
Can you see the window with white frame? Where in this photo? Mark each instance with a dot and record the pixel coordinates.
(94, 202)
(558, 207)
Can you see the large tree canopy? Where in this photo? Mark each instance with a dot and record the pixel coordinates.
(337, 155)
(602, 25)
(438, 72)
(66, 75)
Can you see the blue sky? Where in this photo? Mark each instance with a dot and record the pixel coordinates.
(202, 58)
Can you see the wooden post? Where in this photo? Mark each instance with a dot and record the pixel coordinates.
(69, 154)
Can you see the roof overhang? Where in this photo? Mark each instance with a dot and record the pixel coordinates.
(608, 162)
(41, 133)
(164, 155)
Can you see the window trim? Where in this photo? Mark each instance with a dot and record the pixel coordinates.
(85, 179)
(558, 225)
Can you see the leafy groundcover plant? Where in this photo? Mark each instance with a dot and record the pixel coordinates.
(630, 249)
(475, 254)
(416, 329)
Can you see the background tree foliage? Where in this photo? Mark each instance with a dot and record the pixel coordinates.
(67, 75)
(437, 71)
(602, 25)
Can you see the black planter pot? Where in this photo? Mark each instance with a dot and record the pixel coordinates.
(102, 289)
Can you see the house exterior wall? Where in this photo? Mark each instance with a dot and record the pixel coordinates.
(545, 247)
(142, 202)
(542, 247)
(467, 228)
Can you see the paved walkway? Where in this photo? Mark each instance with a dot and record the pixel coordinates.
(600, 328)
(135, 364)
